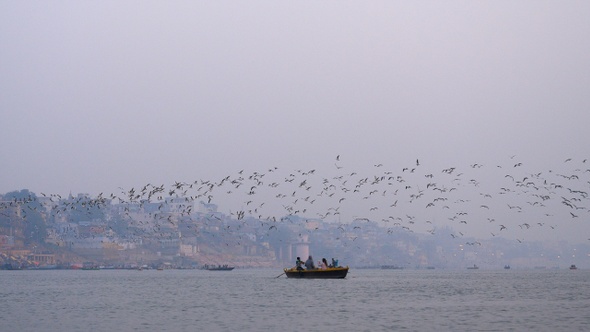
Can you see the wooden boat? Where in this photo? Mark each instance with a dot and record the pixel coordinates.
(329, 273)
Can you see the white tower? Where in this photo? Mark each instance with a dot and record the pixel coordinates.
(300, 248)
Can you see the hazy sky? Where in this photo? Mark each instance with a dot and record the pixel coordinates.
(100, 95)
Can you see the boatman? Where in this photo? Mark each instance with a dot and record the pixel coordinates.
(299, 264)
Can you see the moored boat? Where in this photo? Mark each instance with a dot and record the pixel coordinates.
(328, 273)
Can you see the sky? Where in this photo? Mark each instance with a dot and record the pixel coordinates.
(99, 96)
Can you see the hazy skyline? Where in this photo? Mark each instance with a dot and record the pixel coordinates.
(97, 96)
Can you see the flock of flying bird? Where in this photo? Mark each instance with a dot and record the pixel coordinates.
(499, 198)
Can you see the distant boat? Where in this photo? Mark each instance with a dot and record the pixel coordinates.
(506, 267)
(44, 267)
(391, 267)
(8, 266)
(573, 267)
(219, 268)
(328, 273)
(474, 267)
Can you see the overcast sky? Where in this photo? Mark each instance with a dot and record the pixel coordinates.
(100, 95)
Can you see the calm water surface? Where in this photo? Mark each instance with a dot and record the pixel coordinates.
(255, 300)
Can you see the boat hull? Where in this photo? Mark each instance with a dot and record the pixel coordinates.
(329, 273)
(220, 269)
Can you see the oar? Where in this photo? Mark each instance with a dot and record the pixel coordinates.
(280, 275)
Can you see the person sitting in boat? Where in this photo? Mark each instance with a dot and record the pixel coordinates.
(299, 264)
(309, 265)
(334, 262)
(324, 264)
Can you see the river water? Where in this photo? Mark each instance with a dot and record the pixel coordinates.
(256, 300)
